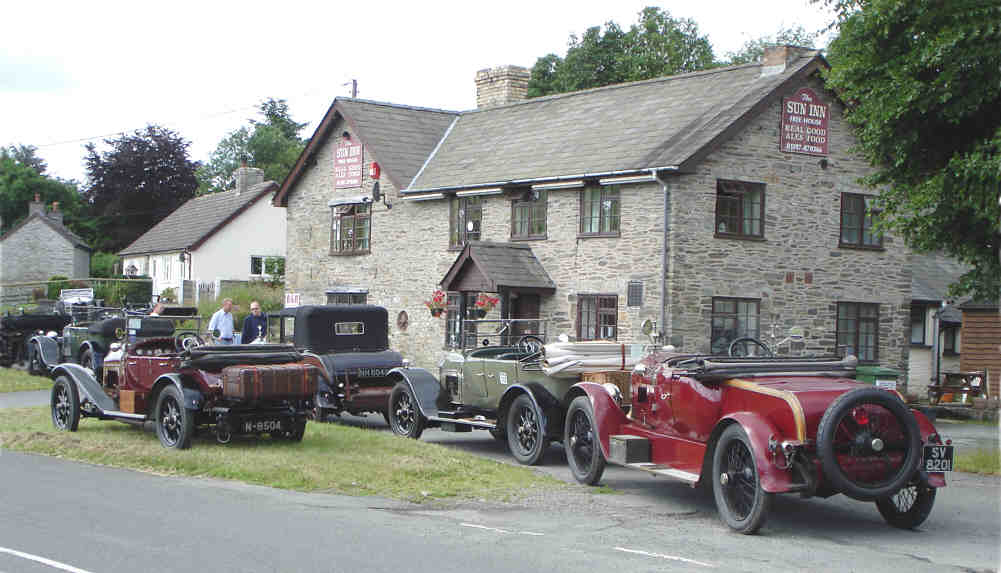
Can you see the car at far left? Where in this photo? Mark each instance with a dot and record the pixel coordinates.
(181, 385)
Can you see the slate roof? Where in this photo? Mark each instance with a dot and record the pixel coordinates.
(504, 265)
(931, 275)
(197, 220)
(669, 122)
(57, 227)
(398, 137)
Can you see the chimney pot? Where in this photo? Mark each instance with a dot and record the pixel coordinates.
(247, 177)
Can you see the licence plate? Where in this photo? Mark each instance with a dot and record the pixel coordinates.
(262, 426)
(938, 459)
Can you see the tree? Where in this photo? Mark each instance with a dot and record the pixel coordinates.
(144, 177)
(25, 155)
(658, 45)
(272, 145)
(923, 86)
(20, 182)
(753, 50)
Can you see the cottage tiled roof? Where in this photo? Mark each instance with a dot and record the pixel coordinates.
(197, 220)
(931, 275)
(502, 265)
(398, 137)
(70, 236)
(666, 122)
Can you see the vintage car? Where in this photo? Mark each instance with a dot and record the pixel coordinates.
(756, 426)
(182, 386)
(349, 344)
(16, 331)
(497, 387)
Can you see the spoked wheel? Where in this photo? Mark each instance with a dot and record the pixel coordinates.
(869, 444)
(405, 417)
(525, 435)
(584, 455)
(65, 402)
(909, 507)
(741, 502)
(174, 424)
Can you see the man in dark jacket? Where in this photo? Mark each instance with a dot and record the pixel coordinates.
(255, 326)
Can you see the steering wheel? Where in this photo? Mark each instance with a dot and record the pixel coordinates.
(186, 341)
(530, 344)
(745, 345)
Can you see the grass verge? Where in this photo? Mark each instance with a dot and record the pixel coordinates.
(12, 380)
(982, 461)
(331, 458)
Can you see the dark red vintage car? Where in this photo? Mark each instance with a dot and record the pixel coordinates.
(181, 386)
(755, 427)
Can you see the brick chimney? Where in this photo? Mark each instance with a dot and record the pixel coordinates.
(500, 86)
(55, 214)
(36, 206)
(776, 58)
(247, 177)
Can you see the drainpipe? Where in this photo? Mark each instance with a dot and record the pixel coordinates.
(936, 348)
(665, 326)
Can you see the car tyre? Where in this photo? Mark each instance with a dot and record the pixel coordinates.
(87, 358)
(35, 359)
(742, 504)
(65, 402)
(499, 433)
(909, 507)
(838, 431)
(584, 455)
(526, 437)
(174, 423)
(405, 416)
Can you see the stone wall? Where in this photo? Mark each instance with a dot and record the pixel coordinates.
(801, 235)
(37, 252)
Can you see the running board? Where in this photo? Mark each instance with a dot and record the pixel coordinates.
(483, 423)
(665, 471)
(115, 414)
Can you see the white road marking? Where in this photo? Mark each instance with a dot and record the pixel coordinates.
(662, 556)
(43, 560)
(477, 526)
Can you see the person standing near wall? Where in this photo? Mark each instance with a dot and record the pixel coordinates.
(222, 322)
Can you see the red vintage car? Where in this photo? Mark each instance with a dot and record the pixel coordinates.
(755, 427)
(170, 379)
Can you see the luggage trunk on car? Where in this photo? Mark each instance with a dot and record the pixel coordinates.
(294, 381)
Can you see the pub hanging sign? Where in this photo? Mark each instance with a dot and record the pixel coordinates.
(804, 124)
(347, 164)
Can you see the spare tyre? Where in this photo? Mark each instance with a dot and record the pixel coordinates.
(869, 444)
(107, 328)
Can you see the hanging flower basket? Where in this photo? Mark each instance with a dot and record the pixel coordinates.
(484, 304)
(437, 303)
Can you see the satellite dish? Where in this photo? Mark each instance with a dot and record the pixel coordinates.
(647, 327)
(376, 193)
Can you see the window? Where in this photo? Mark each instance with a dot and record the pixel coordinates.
(858, 329)
(918, 325)
(599, 211)
(634, 294)
(256, 265)
(261, 265)
(949, 339)
(465, 220)
(597, 317)
(740, 209)
(350, 229)
(528, 216)
(733, 318)
(347, 298)
(857, 222)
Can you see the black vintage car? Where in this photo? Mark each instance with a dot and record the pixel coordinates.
(350, 345)
(17, 329)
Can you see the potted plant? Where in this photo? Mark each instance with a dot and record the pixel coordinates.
(484, 304)
(437, 303)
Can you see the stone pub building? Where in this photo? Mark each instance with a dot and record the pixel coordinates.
(717, 204)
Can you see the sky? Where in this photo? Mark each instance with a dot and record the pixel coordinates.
(73, 72)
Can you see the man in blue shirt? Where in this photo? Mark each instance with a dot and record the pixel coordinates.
(255, 326)
(222, 321)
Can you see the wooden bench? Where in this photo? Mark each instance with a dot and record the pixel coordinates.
(958, 388)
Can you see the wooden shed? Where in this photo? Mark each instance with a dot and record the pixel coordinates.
(980, 348)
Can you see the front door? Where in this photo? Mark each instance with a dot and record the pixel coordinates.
(524, 306)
